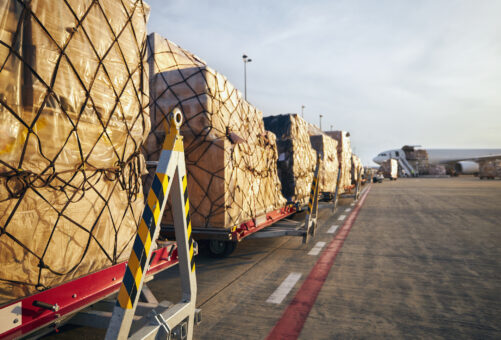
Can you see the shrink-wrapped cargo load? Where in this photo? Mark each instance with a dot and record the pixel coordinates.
(389, 168)
(357, 169)
(329, 164)
(437, 170)
(344, 156)
(296, 157)
(230, 158)
(72, 119)
(418, 159)
(487, 169)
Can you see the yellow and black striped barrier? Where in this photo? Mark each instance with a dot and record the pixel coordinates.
(170, 174)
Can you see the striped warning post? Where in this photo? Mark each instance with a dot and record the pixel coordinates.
(140, 250)
(188, 222)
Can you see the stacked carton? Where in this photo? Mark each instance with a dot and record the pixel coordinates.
(357, 169)
(344, 156)
(329, 165)
(72, 119)
(487, 169)
(230, 158)
(297, 159)
(389, 168)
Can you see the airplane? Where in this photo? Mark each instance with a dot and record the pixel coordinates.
(460, 161)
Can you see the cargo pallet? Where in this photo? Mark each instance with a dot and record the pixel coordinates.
(44, 312)
(222, 242)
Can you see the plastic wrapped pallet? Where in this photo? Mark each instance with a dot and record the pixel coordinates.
(437, 170)
(230, 158)
(389, 168)
(297, 159)
(329, 165)
(487, 169)
(357, 168)
(344, 156)
(72, 119)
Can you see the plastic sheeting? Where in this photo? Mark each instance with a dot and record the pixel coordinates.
(230, 158)
(344, 156)
(296, 159)
(72, 119)
(329, 165)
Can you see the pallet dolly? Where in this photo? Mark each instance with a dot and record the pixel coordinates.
(45, 311)
(348, 190)
(293, 228)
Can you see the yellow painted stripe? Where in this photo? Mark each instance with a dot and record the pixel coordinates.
(143, 231)
(138, 271)
(147, 244)
(124, 299)
(185, 183)
(164, 179)
(133, 264)
(154, 206)
(187, 206)
(193, 267)
(191, 251)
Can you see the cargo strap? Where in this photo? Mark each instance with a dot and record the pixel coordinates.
(170, 174)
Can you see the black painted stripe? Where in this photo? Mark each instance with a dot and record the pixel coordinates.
(148, 218)
(158, 189)
(129, 282)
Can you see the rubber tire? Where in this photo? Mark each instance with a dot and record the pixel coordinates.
(220, 249)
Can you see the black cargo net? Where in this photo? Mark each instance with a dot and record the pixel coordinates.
(231, 159)
(72, 121)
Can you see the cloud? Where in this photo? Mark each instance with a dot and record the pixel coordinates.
(390, 72)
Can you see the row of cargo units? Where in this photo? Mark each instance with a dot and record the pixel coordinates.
(85, 96)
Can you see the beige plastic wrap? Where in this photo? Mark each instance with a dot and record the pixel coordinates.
(230, 158)
(487, 169)
(389, 168)
(344, 156)
(297, 159)
(357, 168)
(71, 125)
(329, 165)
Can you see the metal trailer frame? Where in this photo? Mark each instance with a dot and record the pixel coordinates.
(222, 242)
(55, 306)
(44, 312)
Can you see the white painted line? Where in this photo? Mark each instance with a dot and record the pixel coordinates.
(352, 204)
(332, 229)
(341, 218)
(285, 287)
(348, 210)
(317, 248)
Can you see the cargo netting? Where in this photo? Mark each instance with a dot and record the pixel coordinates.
(73, 116)
(297, 159)
(230, 158)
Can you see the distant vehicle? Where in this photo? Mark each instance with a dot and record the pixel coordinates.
(461, 161)
(378, 178)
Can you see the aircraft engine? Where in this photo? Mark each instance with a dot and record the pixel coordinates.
(466, 167)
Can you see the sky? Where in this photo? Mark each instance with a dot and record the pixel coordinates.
(390, 72)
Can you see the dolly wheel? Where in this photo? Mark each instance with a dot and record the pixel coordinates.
(220, 249)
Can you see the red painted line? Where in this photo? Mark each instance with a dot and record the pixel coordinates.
(292, 321)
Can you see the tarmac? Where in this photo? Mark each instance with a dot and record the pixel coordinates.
(413, 258)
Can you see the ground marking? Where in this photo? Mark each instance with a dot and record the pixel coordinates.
(332, 229)
(293, 318)
(341, 218)
(317, 248)
(352, 204)
(348, 210)
(285, 287)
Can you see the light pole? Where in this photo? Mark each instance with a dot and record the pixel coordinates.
(321, 122)
(246, 60)
(331, 128)
(302, 111)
